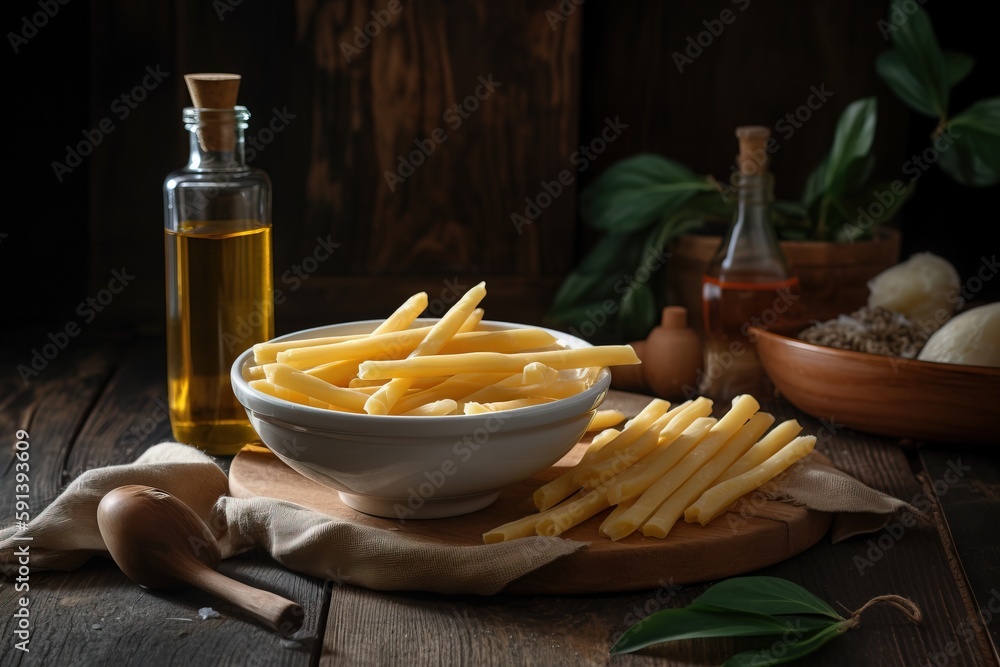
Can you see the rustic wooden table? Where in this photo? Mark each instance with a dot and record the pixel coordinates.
(103, 402)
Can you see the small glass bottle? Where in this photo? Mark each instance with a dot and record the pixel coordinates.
(747, 283)
(217, 228)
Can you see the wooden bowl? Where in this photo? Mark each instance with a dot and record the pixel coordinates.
(889, 396)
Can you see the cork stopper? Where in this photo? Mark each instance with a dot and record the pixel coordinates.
(214, 91)
(752, 159)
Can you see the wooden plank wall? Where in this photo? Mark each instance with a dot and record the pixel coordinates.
(349, 107)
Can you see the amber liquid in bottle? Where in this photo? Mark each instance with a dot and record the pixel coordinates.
(219, 304)
(731, 307)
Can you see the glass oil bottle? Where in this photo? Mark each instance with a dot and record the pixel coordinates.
(748, 282)
(217, 229)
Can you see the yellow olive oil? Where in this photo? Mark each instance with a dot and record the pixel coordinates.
(219, 303)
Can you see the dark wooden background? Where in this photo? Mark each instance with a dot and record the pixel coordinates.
(451, 221)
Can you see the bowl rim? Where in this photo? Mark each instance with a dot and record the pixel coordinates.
(279, 407)
(785, 335)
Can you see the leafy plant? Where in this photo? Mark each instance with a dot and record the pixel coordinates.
(642, 203)
(793, 621)
(922, 75)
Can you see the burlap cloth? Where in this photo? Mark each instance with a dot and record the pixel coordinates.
(65, 534)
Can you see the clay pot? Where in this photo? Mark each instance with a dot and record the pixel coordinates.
(673, 356)
(671, 359)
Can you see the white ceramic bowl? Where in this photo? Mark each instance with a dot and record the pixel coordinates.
(418, 467)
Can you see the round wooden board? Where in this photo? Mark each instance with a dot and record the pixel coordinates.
(691, 553)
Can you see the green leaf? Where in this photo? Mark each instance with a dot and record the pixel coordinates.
(571, 314)
(845, 168)
(594, 278)
(904, 83)
(969, 148)
(816, 184)
(791, 220)
(637, 313)
(639, 306)
(675, 624)
(672, 228)
(713, 205)
(852, 145)
(857, 173)
(763, 595)
(829, 210)
(633, 193)
(790, 209)
(877, 207)
(958, 66)
(914, 37)
(788, 650)
(850, 160)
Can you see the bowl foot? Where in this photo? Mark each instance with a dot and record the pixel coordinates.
(428, 508)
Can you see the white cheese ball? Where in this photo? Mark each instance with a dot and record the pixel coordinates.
(924, 288)
(971, 338)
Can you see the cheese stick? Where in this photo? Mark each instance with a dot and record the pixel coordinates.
(473, 408)
(601, 439)
(267, 353)
(523, 527)
(673, 507)
(391, 345)
(494, 362)
(339, 373)
(535, 373)
(271, 389)
(398, 344)
(472, 321)
(662, 483)
(457, 388)
(603, 419)
(630, 484)
(715, 500)
(574, 513)
(614, 516)
(549, 494)
(768, 446)
(437, 408)
(382, 401)
(653, 411)
(400, 319)
(667, 430)
(286, 376)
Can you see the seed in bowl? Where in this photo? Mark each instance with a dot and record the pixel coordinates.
(870, 329)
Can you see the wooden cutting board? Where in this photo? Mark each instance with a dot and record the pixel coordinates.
(730, 545)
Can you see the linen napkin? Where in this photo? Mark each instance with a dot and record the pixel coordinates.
(65, 535)
(857, 508)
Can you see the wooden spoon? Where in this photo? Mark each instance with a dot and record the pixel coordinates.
(160, 543)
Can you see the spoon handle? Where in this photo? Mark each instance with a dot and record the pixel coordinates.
(273, 610)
